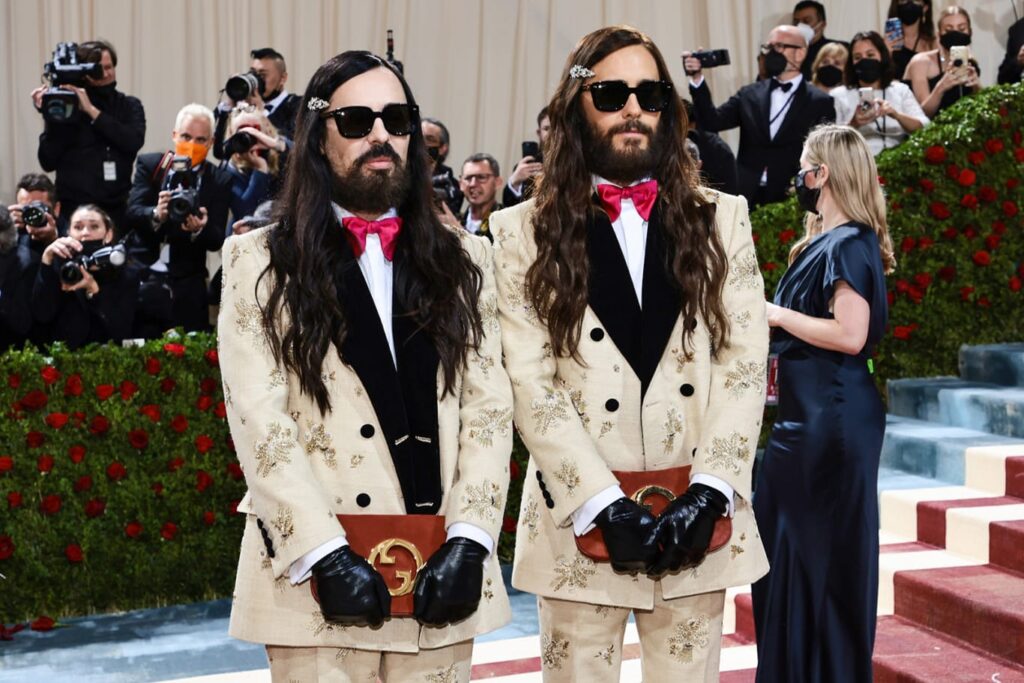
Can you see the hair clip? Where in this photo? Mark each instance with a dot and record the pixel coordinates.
(579, 71)
(316, 104)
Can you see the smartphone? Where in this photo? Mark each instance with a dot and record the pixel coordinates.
(894, 31)
(867, 99)
(960, 58)
(531, 148)
(712, 58)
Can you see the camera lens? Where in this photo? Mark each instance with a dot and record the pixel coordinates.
(958, 63)
(239, 87)
(70, 273)
(239, 143)
(34, 215)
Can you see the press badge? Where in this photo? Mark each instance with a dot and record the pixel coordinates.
(109, 171)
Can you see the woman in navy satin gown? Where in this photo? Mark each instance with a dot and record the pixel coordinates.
(816, 496)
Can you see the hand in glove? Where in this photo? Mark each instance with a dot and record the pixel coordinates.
(628, 531)
(685, 527)
(449, 585)
(351, 592)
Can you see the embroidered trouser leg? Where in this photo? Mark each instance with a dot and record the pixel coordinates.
(449, 664)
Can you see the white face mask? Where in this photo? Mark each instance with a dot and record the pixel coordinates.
(807, 31)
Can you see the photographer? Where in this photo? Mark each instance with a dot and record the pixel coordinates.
(446, 186)
(939, 79)
(520, 183)
(268, 73)
(178, 210)
(256, 158)
(86, 304)
(94, 149)
(480, 181)
(17, 273)
(36, 212)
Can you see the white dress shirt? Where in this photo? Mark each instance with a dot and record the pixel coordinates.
(885, 131)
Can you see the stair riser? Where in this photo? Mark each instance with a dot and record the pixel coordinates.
(1006, 545)
(996, 364)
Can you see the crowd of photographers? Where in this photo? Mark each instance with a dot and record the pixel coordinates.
(116, 247)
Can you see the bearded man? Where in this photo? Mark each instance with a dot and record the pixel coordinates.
(633, 319)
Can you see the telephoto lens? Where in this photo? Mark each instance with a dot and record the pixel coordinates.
(239, 143)
(34, 214)
(240, 86)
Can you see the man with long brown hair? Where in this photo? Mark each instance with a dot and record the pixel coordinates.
(633, 322)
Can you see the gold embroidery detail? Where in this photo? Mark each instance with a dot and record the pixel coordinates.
(602, 610)
(735, 550)
(482, 501)
(489, 315)
(319, 440)
(531, 518)
(249, 319)
(746, 375)
(742, 319)
(549, 411)
(729, 453)
(449, 675)
(227, 394)
(487, 592)
(518, 298)
(569, 475)
(356, 460)
(318, 624)
(283, 523)
(606, 654)
(343, 653)
(236, 253)
(673, 426)
(548, 352)
(295, 415)
(681, 359)
(274, 450)
(554, 649)
(578, 402)
(488, 423)
(485, 363)
(606, 427)
(687, 637)
(575, 573)
(744, 271)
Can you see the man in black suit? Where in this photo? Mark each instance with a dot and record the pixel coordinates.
(774, 116)
(18, 267)
(811, 14)
(1013, 63)
(173, 292)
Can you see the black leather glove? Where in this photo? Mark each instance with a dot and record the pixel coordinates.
(628, 531)
(351, 592)
(449, 585)
(685, 527)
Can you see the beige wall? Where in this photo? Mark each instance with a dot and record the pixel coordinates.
(485, 67)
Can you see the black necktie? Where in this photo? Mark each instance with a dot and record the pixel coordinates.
(269, 108)
(776, 84)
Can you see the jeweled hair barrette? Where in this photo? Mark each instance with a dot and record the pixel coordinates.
(580, 71)
(316, 104)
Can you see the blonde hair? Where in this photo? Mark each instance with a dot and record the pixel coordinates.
(273, 156)
(853, 180)
(952, 11)
(830, 50)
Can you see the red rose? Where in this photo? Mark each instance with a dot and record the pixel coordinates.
(78, 417)
(45, 463)
(138, 438)
(212, 358)
(950, 233)
(994, 146)
(233, 507)
(169, 530)
(969, 201)
(976, 158)
(966, 177)
(73, 385)
(902, 286)
(1012, 183)
(13, 500)
(167, 385)
(925, 242)
(56, 420)
(1018, 154)
(6, 463)
(43, 623)
(179, 424)
(207, 386)
(1009, 209)
(987, 193)
(128, 389)
(508, 525)
(116, 471)
(970, 233)
(99, 425)
(204, 403)
(513, 470)
(230, 443)
(177, 350)
(939, 210)
(175, 464)
(981, 258)
(158, 488)
(926, 185)
(34, 400)
(965, 293)
(209, 518)
(14, 381)
(6, 547)
(787, 236)
(234, 471)
(907, 245)
(903, 332)
(104, 391)
(50, 505)
(77, 453)
(203, 443)
(1017, 137)
(34, 439)
(992, 242)
(935, 154)
(953, 171)
(998, 227)
(83, 483)
(915, 294)
(49, 374)
(220, 410)
(947, 273)
(74, 553)
(984, 302)
(152, 366)
(923, 279)
(133, 529)
(1015, 283)
(95, 507)
(769, 267)
(203, 481)
(152, 411)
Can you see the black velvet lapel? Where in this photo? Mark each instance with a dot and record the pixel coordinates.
(764, 104)
(661, 302)
(793, 114)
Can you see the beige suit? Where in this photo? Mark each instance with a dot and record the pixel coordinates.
(302, 468)
(581, 420)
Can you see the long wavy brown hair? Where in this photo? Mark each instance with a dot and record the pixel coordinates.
(695, 258)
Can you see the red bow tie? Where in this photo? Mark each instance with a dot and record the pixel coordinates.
(643, 197)
(387, 229)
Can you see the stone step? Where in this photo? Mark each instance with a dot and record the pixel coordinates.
(947, 400)
(1006, 544)
(1001, 364)
(996, 469)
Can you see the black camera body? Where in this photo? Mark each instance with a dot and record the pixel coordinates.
(711, 58)
(445, 187)
(183, 183)
(95, 256)
(531, 148)
(239, 143)
(240, 86)
(34, 214)
(60, 104)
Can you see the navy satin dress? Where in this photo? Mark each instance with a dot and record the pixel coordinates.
(816, 498)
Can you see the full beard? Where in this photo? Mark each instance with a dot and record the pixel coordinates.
(373, 192)
(625, 165)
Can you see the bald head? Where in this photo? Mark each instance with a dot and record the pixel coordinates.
(790, 42)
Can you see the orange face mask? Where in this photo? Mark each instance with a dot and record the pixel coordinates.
(196, 152)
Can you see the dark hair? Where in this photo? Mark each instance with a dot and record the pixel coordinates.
(270, 53)
(887, 68)
(812, 4)
(92, 51)
(542, 115)
(481, 157)
(695, 259)
(434, 278)
(108, 222)
(688, 108)
(445, 137)
(38, 182)
(8, 233)
(926, 24)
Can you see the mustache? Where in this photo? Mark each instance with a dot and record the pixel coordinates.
(377, 151)
(631, 126)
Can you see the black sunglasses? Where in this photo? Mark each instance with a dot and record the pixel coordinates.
(357, 122)
(612, 95)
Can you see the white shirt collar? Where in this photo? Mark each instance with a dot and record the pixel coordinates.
(796, 80)
(598, 180)
(276, 102)
(344, 213)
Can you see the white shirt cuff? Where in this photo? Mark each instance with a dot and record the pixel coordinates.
(303, 567)
(473, 533)
(719, 485)
(583, 516)
(516, 190)
(697, 83)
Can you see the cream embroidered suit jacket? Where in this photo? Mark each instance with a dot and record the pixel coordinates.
(302, 468)
(581, 420)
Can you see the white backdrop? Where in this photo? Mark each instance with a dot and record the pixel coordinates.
(484, 67)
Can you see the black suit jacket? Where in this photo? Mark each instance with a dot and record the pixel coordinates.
(749, 110)
(188, 255)
(17, 275)
(1010, 70)
(510, 198)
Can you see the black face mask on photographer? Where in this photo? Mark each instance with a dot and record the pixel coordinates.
(775, 63)
(807, 197)
(830, 76)
(909, 13)
(952, 39)
(434, 153)
(868, 70)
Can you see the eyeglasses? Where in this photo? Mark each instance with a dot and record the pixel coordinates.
(477, 178)
(357, 122)
(799, 178)
(779, 47)
(613, 95)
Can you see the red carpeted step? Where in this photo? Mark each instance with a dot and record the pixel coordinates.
(739, 676)
(1006, 544)
(1015, 476)
(908, 653)
(931, 515)
(744, 618)
(980, 605)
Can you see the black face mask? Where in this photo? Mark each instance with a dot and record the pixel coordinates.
(269, 96)
(955, 39)
(775, 63)
(434, 152)
(807, 197)
(830, 76)
(909, 13)
(868, 70)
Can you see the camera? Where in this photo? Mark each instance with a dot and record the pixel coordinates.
(531, 148)
(94, 256)
(239, 143)
(445, 187)
(60, 104)
(184, 187)
(34, 214)
(240, 86)
(711, 58)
